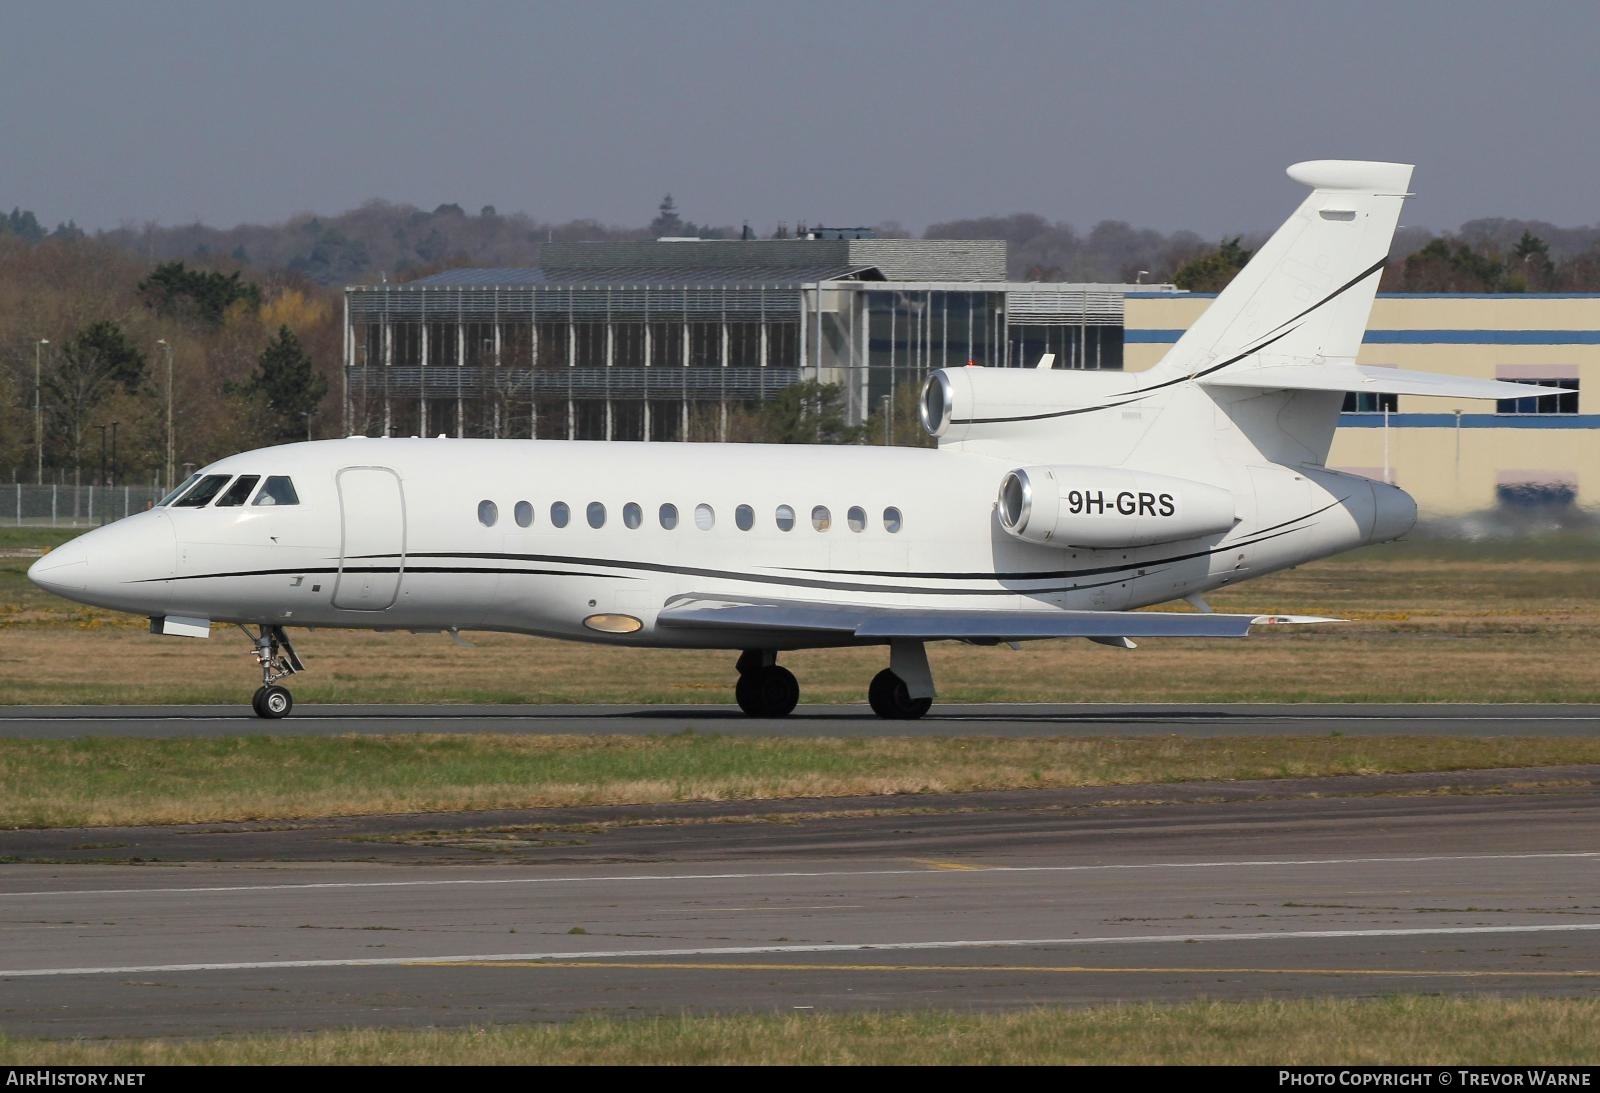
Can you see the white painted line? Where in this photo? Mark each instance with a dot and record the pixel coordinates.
(637, 878)
(773, 950)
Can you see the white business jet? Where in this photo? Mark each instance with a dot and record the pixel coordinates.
(1055, 502)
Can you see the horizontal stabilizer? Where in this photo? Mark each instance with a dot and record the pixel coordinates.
(930, 624)
(1369, 380)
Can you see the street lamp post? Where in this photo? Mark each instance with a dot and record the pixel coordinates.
(164, 344)
(38, 413)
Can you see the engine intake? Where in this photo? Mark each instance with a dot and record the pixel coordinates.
(1102, 507)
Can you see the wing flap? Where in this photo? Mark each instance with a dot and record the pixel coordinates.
(929, 624)
(1369, 380)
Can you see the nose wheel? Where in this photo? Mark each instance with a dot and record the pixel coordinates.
(272, 702)
(278, 661)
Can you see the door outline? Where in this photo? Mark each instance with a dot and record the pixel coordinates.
(344, 533)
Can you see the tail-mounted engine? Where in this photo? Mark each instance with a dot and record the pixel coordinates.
(1102, 507)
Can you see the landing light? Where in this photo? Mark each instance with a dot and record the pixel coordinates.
(613, 624)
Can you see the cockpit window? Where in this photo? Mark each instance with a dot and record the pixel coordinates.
(239, 492)
(208, 487)
(185, 484)
(278, 491)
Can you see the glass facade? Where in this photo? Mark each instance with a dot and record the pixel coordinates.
(668, 361)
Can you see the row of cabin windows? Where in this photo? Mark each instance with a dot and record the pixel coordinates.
(199, 490)
(705, 517)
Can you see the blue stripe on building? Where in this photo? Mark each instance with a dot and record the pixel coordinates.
(1472, 421)
(1418, 337)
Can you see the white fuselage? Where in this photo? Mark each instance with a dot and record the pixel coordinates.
(387, 534)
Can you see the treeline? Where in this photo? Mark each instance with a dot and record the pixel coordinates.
(382, 240)
(254, 359)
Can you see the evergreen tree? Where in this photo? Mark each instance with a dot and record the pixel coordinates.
(807, 413)
(288, 386)
(174, 290)
(667, 221)
(1212, 272)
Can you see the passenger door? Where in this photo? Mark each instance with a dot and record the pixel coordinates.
(372, 555)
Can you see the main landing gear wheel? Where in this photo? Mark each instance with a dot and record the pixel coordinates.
(272, 702)
(768, 691)
(890, 699)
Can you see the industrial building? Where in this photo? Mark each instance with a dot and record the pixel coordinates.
(658, 341)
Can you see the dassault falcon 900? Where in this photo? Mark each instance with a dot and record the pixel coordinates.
(1054, 504)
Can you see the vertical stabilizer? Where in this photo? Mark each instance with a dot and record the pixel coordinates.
(1306, 294)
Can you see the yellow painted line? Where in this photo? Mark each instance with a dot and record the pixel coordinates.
(949, 866)
(1050, 969)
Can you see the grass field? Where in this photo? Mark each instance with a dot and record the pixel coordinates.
(1404, 1030)
(1433, 621)
(100, 781)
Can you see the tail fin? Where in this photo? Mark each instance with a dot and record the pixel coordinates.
(1306, 294)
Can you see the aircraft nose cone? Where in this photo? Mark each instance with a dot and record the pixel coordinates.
(64, 569)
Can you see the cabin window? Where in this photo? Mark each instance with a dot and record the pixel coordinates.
(185, 484)
(669, 516)
(204, 490)
(488, 513)
(560, 514)
(239, 492)
(704, 518)
(524, 514)
(856, 518)
(892, 520)
(785, 518)
(278, 491)
(821, 518)
(632, 516)
(596, 514)
(744, 517)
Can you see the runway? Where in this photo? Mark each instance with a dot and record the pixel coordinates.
(1010, 719)
(1487, 881)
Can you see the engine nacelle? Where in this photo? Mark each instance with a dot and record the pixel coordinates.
(1101, 507)
(965, 404)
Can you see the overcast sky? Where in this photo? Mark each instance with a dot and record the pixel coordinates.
(1167, 115)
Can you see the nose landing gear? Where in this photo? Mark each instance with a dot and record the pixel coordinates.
(278, 661)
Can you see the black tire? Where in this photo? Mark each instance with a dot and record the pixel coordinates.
(747, 693)
(255, 701)
(891, 699)
(768, 692)
(273, 703)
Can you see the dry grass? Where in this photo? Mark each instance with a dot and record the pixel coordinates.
(1432, 623)
(99, 781)
(1405, 1030)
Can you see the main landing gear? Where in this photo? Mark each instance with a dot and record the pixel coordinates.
(278, 661)
(901, 692)
(764, 689)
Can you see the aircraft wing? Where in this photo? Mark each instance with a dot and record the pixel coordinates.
(710, 612)
(1368, 379)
